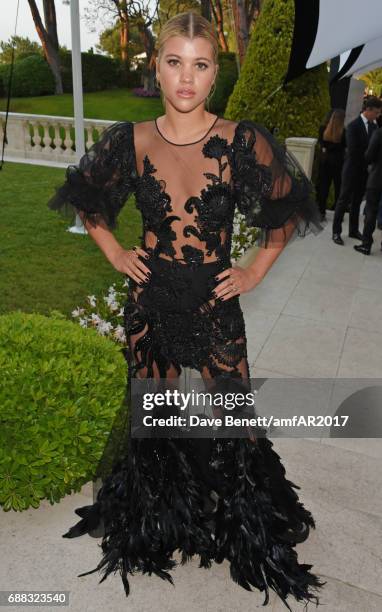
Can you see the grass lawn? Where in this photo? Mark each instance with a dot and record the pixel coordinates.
(42, 265)
(113, 104)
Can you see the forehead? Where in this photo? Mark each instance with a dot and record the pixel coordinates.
(188, 47)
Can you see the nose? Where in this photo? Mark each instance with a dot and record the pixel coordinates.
(186, 76)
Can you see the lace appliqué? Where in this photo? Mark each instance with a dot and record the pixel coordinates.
(154, 204)
(214, 206)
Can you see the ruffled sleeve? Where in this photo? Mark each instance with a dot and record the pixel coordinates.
(271, 189)
(98, 187)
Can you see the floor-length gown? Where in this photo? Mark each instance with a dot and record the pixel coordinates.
(215, 498)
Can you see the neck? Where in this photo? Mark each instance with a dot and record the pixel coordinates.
(184, 126)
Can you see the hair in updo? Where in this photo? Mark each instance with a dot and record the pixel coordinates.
(190, 25)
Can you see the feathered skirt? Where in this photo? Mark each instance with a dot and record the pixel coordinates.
(214, 498)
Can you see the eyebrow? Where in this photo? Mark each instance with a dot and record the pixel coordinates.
(197, 58)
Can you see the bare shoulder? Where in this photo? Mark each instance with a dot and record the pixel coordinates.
(143, 132)
(228, 127)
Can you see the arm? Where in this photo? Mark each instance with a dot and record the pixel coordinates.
(372, 151)
(353, 140)
(275, 239)
(122, 260)
(274, 195)
(321, 130)
(98, 188)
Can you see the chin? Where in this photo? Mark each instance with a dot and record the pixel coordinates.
(185, 103)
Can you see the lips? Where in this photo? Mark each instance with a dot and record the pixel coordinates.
(185, 92)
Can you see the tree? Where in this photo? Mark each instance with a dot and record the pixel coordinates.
(49, 38)
(373, 80)
(116, 12)
(170, 8)
(22, 46)
(244, 13)
(110, 42)
(296, 109)
(217, 9)
(140, 14)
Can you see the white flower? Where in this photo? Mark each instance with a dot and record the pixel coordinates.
(92, 300)
(120, 314)
(119, 333)
(95, 318)
(104, 327)
(110, 301)
(77, 312)
(83, 322)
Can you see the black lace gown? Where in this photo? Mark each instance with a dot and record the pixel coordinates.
(214, 498)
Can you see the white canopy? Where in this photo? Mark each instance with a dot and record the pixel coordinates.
(325, 29)
(361, 60)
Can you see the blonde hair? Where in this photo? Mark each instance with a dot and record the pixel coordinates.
(335, 126)
(190, 25)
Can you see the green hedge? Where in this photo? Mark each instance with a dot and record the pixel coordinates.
(98, 72)
(299, 108)
(225, 82)
(60, 391)
(31, 77)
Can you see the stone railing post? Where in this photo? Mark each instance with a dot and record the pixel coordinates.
(16, 145)
(303, 149)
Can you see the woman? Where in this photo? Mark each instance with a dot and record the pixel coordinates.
(219, 498)
(332, 142)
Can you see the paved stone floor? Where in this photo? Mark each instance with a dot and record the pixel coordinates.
(316, 314)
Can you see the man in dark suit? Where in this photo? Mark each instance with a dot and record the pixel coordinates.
(354, 173)
(373, 156)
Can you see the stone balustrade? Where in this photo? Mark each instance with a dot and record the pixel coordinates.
(45, 139)
(49, 140)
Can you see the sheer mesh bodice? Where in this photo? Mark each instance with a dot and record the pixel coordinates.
(190, 185)
(187, 193)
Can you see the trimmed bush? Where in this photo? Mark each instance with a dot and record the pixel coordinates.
(98, 72)
(32, 76)
(299, 108)
(61, 388)
(225, 82)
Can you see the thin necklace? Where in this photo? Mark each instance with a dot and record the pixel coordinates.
(183, 144)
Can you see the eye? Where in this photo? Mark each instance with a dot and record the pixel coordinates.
(202, 64)
(171, 60)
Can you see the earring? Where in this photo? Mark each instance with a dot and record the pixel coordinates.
(211, 94)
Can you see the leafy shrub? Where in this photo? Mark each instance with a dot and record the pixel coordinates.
(135, 78)
(99, 72)
(225, 82)
(299, 108)
(32, 76)
(60, 390)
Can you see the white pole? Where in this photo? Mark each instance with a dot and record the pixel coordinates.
(78, 103)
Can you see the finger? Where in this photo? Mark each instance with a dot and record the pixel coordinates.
(223, 274)
(137, 273)
(227, 284)
(223, 291)
(141, 252)
(230, 294)
(141, 266)
(131, 275)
